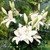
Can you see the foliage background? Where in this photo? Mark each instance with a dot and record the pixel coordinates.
(23, 6)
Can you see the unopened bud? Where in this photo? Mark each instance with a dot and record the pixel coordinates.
(4, 11)
(25, 18)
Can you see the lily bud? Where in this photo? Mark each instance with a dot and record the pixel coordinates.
(44, 15)
(13, 5)
(4, 11)
(25, 18)
(10, 4)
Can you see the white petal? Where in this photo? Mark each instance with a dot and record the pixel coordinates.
(41, 23)
(32, 33)
(7, 24)
(38, 41)
(4, 21)
(22, 31)
(36, 36)
(29, 22)
(5, 17)
(48, 24)
(16, 12)
(17, 39)
(20, 25)
(10, 15)
(30, 39)
(43, 11)
(39, 17)
(13, 20)
(44, 15)
(29, 28)
(14, 39)
(4, 11)
(16, 33)
(21, 14)
(27, 41)
(23, 37)
(34, 16)
(26, 37)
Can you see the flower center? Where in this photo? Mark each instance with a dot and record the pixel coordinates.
(27, 32)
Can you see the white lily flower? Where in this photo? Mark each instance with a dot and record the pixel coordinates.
(38, 22)
(24, 34)
(8, 19)
(4, 11)
(16, 12)
(35, 20)
(33, 16)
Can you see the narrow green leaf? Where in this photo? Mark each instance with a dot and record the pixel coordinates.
(47, 7)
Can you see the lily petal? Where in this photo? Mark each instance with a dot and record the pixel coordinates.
(13, 20)
(10, 15)
(23, 37)
(32, 33)
(30, 28)
(16, 12)
(16, 33)
(39, 17)
(21, 15)
(29, 22)
(36, 36)
(7, 24)
(4, 21)
(30, 39)
(17, 39)
(38, 41)
(27, 41)
(20, 25)
(41, 23)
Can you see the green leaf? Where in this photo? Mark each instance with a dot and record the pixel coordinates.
(47, 7)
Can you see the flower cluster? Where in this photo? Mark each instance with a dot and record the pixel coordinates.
(25, 32)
